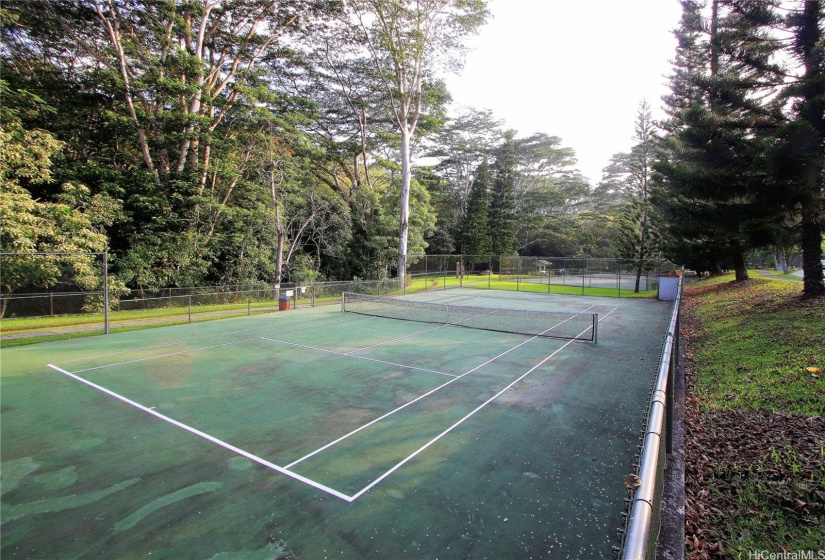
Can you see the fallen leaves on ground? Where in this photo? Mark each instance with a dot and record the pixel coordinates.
(738, 459)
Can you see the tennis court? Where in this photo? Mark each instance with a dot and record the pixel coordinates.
(318, 433)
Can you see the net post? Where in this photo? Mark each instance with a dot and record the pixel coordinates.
(105, 292)
(595, 328)
(343, 304)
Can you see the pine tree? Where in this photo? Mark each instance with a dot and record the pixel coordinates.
(502, 218)
(710, 170)
(475, 233)
(637, 229)
(797, 156)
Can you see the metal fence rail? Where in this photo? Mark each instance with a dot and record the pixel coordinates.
(638, 539)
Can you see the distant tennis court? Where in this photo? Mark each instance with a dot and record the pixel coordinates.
(451, 424)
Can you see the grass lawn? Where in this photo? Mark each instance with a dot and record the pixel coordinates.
(755, 453)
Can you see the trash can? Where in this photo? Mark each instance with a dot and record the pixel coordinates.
(283, 302)
(668, 287)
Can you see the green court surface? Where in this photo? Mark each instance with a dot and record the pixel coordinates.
(320, 434)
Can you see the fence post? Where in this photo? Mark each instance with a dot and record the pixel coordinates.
(518, 272)
(426, 273)
(105, 292)
(312, 294)
(619, 272)
(189, 305)
(489, 271)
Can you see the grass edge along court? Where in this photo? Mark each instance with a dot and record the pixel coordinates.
(507, 475)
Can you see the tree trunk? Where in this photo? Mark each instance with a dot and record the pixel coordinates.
(279, 258)
(404, 226)
(810, 37)
(812, 283)
(781, 261)
(280, 228)
(738, 256)
(642, 242)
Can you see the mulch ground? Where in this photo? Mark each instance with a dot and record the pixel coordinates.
(729, 453)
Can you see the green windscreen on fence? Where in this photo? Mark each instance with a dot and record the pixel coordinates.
(551, 324)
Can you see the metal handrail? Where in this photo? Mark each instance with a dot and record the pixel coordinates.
(643, 504)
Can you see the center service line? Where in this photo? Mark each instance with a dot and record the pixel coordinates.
(451, 428)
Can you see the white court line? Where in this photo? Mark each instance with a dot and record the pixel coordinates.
(372, 484)
(356, 357)
(396, 339)
(286, 470)
(428, 393)
(232, 448)
(451, 428)
(166, 355)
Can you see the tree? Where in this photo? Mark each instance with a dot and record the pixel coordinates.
(502, 218)
(637, 238)
(722, 102)
(475, 233)
(460, 147)
(173, 85)
(797, 155)
(406, 41)
(547, 188)
(70, 224)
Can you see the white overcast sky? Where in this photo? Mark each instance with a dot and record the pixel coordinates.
(576, 69)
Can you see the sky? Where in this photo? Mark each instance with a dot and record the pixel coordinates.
(576, 69)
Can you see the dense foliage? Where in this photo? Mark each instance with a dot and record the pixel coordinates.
(252, 140)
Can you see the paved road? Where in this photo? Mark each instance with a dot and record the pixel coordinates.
(796, 276)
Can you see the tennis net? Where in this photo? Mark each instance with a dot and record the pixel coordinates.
(550, 324)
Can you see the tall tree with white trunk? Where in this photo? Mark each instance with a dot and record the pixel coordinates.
(408, 41)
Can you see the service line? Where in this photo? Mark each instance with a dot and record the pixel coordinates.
(333, 352)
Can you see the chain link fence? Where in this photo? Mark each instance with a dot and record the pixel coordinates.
(597, 276)
(50, 295)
